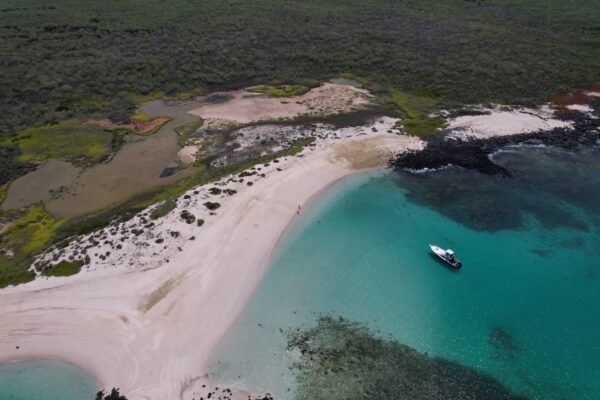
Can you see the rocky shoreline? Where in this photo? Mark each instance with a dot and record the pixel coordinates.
(474, 153)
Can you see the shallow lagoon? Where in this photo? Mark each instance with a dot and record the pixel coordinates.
(523, 309)
(48, 380)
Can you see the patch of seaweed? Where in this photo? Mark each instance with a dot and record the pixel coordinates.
(544, 253)
(503, 343)
(340, 359)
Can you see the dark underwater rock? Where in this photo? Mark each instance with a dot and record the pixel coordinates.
(339, 359)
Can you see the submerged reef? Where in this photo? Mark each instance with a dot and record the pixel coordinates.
(340, 359)
(503, 343)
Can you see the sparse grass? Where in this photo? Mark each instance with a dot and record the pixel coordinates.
(281, 90)
(3, 192)
(140, 116)
(31, 232)
(362, 80)
(64, 268)
(67, 140)
(185, 131)
(416, 108)
(423, 125)
(25, 237)
(166, 207)
(411, 104)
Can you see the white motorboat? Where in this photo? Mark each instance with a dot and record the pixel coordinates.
(447, 256)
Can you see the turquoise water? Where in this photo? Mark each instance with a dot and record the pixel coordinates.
(47, 380)
(525, 307)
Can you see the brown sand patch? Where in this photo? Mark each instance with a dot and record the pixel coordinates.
(245, 106)
(581, 97)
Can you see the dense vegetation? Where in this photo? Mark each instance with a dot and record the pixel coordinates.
(281, 90)
(62, 59)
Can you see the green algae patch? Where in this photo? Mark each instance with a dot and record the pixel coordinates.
(281, 90)
(140, 116)
(21, 241)
(64, 268)
(416, 108)
(412, 104)
(339, 359)
(166, 207)
(31, 232)
(423, 125)
(362, 80)
(4, 192)
(69, 140)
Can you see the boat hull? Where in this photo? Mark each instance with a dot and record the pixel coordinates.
(441, 255)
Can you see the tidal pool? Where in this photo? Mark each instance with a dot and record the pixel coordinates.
(48, 380)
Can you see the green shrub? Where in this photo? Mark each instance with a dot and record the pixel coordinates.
(163, 209)
(63, 268)
(211, 205)
(281, 91)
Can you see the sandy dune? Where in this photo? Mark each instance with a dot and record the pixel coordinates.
(244, 106)
(149, 330)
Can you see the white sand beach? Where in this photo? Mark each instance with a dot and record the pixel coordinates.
(503, 122)
(148, 326)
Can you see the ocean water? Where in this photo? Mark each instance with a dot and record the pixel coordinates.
(47, 380)
(525, 307)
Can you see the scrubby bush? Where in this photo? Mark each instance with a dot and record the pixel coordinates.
(187, 216)
(113, 395)
(211, 205)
